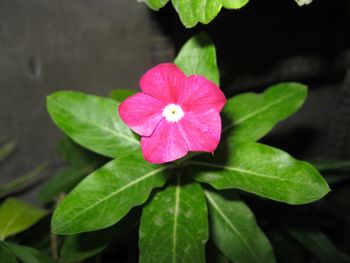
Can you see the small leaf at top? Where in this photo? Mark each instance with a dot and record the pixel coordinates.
(250, 116)
(92, 122)
(121, 94)
(28, 254)
(235, 231)
(16, 216)
(198, 57)
(107, 195)
(174, 225)
(262, 170)
(156, 4)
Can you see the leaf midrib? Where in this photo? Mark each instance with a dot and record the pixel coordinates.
(176, 213)
(116, 133)
(235, 169)
(234, 229)
(253, 113)
(9, 224)
(115, 193)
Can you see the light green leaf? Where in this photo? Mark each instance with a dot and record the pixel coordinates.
(235, 231)
(106, 195)
(251, 116)
(303, 2)
(234, 4)
(198, 57)
(6, 255)
(21, 182)
(174, 225)
(194, 11)
(28, 254)
(62, 182)
(156, 4)
(6, 150)
(92, 122)
(121, 94)
(265, 171)
(16, 216)
(318, 244)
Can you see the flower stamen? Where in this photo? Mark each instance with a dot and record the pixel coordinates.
(173, 113)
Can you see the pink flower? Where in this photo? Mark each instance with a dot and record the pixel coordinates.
(174, 114)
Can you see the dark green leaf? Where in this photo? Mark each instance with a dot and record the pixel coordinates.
(92, 122)
(318, 244)
(6, 255)
(62, 182)
(6, 150)
(251, 116)
(16, 216)
(121, 94)
(107, 194)
(265, 171)
(29, 254)
(198, 57)
(21, 182)
(82, 246)
(174, 225)
(235, 231)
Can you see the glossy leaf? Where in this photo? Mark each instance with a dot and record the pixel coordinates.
(6, 150)
(198, 57)
(106, 195)
(318, 244)
(251, 116)
(235, 231)
(92, 122)
(6, 255)
(194, 11)
(28, 254)
(16, 216)
(265, 171)
(21, 182)
(174, 225)
(62, 182)
(121, 94)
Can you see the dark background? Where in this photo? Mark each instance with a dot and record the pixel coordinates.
(99, 45)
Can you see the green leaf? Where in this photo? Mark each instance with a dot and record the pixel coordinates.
(106, 195)
(265, 171)
(21, 182)
(318, 244)
(235, 231)
(16, 216)
(92, 122)
(121, 94)
(28, 254)
(156, 4)
(62, 182)
(174, 226)
(76, 248)
(251, 116)
(194, 11)
(6, 255)
(234, 4)
(303, 2)
(198, 56)
(6, 150)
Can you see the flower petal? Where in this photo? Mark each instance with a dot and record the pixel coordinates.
(163, 82)
(201, 130)
(141, 113)
(201, 94)
(166, 144)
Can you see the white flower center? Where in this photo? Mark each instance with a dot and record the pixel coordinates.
(173, 113)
